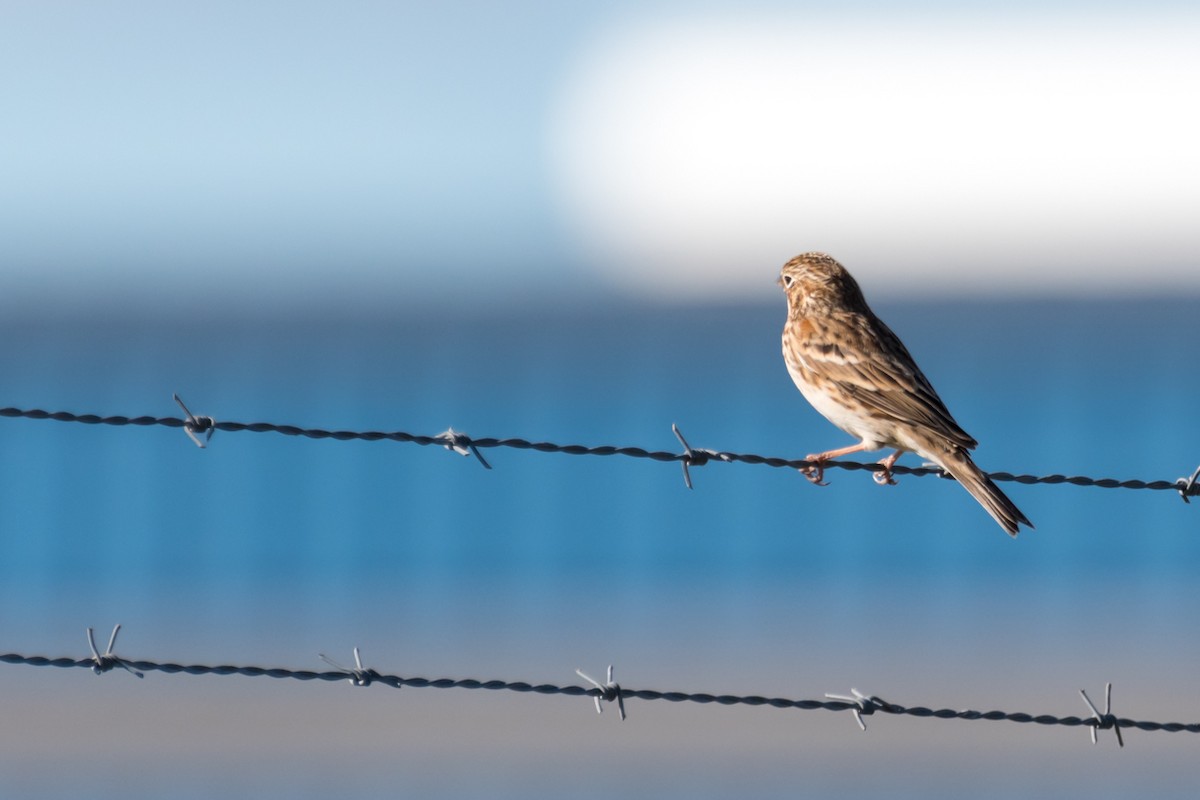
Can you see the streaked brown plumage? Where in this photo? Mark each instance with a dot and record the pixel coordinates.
(857, 373)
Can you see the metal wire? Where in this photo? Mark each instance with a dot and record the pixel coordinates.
(858, 704)
(467, 445)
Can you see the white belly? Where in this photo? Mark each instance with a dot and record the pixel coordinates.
(852, 423)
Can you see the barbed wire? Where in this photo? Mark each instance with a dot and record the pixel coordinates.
(197, 426)
(857, 703)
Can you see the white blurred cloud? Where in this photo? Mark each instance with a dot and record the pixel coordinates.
(1029, 153)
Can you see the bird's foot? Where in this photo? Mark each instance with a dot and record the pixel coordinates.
(883, 475)
(816, 471)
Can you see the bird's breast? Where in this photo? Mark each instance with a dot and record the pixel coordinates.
(831, 400)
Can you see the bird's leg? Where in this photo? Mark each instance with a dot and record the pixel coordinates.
(884, 475)
(816, 473)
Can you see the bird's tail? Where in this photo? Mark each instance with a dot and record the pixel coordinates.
(959, 464)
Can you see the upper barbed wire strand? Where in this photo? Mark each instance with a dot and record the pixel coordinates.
(1186, 488)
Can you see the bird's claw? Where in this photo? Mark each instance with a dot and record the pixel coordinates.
(883, 475)
(816, 472)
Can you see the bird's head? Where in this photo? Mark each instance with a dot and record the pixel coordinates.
(817, 283)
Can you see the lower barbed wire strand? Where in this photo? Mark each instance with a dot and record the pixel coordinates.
(875, 706)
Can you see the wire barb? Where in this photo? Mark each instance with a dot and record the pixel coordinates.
(936, 471)
(357, 676)
(689, 458)
(1188, 486)
(103, 663)
(1107, 719)
(460, 443)
(860, 705)
(193, 425)
(608, 691)
(697, 457)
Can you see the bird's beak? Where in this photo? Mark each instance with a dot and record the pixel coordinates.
(779, 281)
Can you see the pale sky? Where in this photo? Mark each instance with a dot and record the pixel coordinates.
(282, 152)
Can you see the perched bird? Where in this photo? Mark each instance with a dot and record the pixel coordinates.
(857, 373)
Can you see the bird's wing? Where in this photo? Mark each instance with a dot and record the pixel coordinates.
(871, 364)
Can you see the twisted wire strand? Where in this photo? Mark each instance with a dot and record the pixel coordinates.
(691, 457)
(866, 706)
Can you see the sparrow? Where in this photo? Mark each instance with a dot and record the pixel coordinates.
(854, 371)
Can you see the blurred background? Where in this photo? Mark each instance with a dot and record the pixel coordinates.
(564, 223)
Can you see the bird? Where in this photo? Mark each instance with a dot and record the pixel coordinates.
(859, 375)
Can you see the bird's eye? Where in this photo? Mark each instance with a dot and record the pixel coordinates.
(787, 280)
